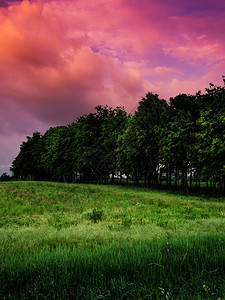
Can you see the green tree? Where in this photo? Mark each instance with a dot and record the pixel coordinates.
(96, 141)
(27, 164)
(210, 146)
(5, 177)
(178, 137)
(88, 131)
(129, 153)
(112, 127)
(57, 157)
(140, 142)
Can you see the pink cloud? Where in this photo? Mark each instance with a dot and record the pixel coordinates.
(196, 49)
(113, 25)
(61, 58)
(51, 76)
(58, 53)
(197, 39)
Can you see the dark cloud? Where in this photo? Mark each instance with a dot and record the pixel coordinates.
(6, 3)
(196, 7)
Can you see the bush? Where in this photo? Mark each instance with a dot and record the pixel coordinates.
(96, 215)
(5, 177)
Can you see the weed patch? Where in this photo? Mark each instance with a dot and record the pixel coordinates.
(96, 215)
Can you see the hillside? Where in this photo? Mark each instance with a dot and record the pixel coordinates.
(109, 242)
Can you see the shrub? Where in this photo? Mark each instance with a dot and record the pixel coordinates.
(96, 215)
(5, 177)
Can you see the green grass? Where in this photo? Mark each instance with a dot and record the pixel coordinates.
(74, 241)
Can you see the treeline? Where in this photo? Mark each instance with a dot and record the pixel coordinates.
(180, 144)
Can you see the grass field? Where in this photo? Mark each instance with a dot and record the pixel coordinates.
(74, 241)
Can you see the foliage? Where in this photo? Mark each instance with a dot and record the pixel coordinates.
(96, 215)
(28, 162)
(5, 177)
(180, 141)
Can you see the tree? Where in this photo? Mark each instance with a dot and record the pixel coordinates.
(87, 155)
(57, 157)
(112, 127)
(27, 164)
(141, 140)
(96, 141)
(178, 139)
(210, 146)
(186, 136)
(5, 177)
(129, 153)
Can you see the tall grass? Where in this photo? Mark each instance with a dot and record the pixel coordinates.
(186, 268)
(60, 241)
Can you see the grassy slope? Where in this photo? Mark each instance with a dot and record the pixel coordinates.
(149, 244)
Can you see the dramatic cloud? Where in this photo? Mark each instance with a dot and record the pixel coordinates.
(58, 59)
(6, 3)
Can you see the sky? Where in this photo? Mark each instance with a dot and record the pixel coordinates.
(61, 58)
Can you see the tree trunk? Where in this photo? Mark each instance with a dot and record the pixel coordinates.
(185, 182)
(169, 178)
(196, 182)
(160, 178)
(113, 177)
(214, 187)
(175, 178)
(191, 180)
(145, 181)
(137, 179)
(121, 178)
(224, 184)
(149, 181)
(156, 179)
(127, 179)
(106, 176)
(207, 185)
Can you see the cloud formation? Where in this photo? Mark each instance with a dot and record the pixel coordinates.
(61, 58)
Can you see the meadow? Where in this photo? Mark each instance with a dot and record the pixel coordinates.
(80, 241)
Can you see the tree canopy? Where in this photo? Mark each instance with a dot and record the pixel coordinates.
(181, 142)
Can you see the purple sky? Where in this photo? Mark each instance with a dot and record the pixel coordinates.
(59, 59)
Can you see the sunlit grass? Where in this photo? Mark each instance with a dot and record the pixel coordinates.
(109, 242)
(64, 205)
